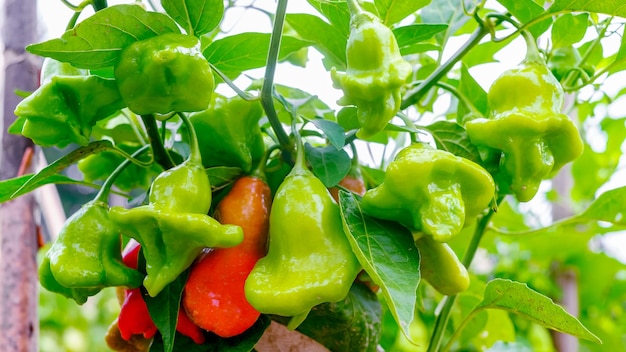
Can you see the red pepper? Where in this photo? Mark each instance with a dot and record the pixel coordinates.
(214, 294)
(134, 317)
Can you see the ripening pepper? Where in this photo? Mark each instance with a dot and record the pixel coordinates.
(353, 182)
(214, 295)
(173, 228)
(163, 74)
(440, 267)
(375, 73)
(135, 319)
(87, 255)
(526, 124)
(430, 190)
(229, 133)
(65, 109)
(309, 259)
(566, 59)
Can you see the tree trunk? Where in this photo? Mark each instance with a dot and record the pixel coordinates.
(18, 239)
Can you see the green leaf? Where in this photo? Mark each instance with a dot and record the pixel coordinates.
(222, 176)
(327, 39)
(610, 207)
(197, 17)
(336, 12)
(410, 37)
(607, 7)
(9, 187)
(451, 137)
(519, 299)
(98, 41)
(569, 29)
(619, 63)
(305, 104)
(245, 51)
(387, 253)
(38, 179)
(333, 131)
(473, 91)
(526, 10)
(394, 11)
(449, 12)
(329, 164)
(484, 53)
(163, 309)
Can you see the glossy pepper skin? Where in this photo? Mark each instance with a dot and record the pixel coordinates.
(525, 123)
(229, 130)
(309, 259)
(134, 318)
(441, 268)
(174, 227)
(163, 74)
(375, 73)
(65, 108)
(87, 254)
(430, 190)
(214, 295)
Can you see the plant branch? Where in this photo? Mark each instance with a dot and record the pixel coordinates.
(415, 94)
(100, 5)
(448, 301)
(267, 96)
(160, 154)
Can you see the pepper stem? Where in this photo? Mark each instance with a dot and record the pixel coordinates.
(160, 154)
(194, 149)
(532, 52)
(354, 7)
(103, 194)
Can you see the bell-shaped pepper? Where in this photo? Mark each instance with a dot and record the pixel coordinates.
(228, 131)
(214, 295)
(47, 281)
(536, 140)
(65, 109)
(375, 73)
(440, 267)
(163, 74)
(309, 259)
(174, 227)
(430, 190)
(87, 253)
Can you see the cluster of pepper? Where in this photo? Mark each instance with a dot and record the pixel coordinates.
(285, 254)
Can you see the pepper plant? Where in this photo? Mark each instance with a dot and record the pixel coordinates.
(265, 203)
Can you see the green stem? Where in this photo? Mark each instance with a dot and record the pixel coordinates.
(267, 96)
(573, 77)
(245, 96)
(448, 301)
(160, 154)
(354, 7)
(194, 148)
(415, 94)
(103, 194)
(460, 328)
(99, 5)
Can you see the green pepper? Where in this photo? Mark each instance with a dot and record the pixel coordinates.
(309, 259)
(47, 280)
(526, 125)
(229, 133)
(87, 256)
(99, 166)
(64, 109)
(163, 74)
(375, 73)
(440, 267)
(564, 60)
(174, 227)
(430, 190)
